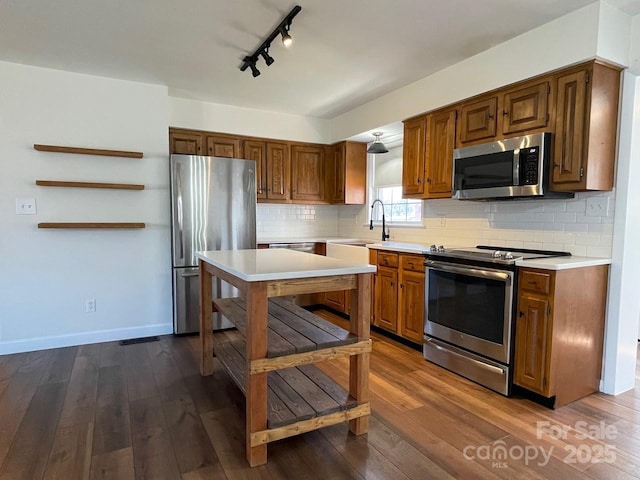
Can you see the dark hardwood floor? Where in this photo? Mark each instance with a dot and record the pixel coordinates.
(106, 411)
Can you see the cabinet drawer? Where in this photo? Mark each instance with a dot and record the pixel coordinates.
(412, 263)
(535, 281)
(387, 259)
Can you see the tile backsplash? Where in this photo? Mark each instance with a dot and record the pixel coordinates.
(582, 225)
(296, 221)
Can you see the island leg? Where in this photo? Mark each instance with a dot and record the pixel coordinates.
(256, 387)
(359, 364)
(206, 321)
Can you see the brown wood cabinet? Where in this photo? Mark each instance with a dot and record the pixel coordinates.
(185, 142)
(399, 294)
(308, 178)
(287, 172)
(478, 120)
(560, 331)
(586, 126)
(439, 160)
(516, 110)
(427, 155)
(272, 168)
(227, 146)
(349, 181)
(413, 156)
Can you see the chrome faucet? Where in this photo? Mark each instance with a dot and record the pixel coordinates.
(385, 235)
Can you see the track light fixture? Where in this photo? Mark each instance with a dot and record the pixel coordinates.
(263, 50)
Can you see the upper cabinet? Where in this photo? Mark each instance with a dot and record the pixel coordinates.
(308, 173)
(413, 156)
(349, 179)
(272, 168)
(478, 120)
(224, 146)
(427, 155)
(516, 110)
(185, 142)
(586, 126)
(440, 144)
(577, 105)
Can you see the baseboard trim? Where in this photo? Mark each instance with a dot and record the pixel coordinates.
(46, 343)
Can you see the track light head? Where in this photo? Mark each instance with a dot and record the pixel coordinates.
(254, 70)
(268, 59)
(286, 38)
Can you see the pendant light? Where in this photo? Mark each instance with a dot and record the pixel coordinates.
(377, 146)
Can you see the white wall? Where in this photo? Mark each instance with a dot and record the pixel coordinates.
(215, 117)
(46, 275)
(564, 41)
(624, 303)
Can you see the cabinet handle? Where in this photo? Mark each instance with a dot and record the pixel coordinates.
(418, 180)
(428, 180)
(402, 285)
(505, 112)
(521, 314)
(392, 284)
(489, 115)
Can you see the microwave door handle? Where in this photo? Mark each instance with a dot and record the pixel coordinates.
(516, 166)
(474, 272)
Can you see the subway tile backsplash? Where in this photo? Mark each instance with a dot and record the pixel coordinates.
(537, 224)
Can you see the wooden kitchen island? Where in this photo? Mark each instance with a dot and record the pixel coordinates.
(285, 393)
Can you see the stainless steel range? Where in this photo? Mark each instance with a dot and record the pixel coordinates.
(469, 310)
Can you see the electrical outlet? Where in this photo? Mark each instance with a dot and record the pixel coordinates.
(25, 206)
(91, 305)
(441, 220)
(597, 207)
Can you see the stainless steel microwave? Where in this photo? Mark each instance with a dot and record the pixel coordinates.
(506, 169)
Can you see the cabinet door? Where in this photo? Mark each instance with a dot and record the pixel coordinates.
(307, 173)
(387, 299)
(442, 139)
(185, 143)
(223, 146)
(258, 151)
(568, 152)
(339, 158)
(277, 171)
(478, 120)
(412, 305)
(336, 300)
(526, 108)
(413, 153)
(532, 350)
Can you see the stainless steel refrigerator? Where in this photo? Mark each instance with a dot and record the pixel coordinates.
(213, 207)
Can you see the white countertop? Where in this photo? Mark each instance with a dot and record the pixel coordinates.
(400, 247)
(317, 239)
(563, 263)
(280, 264)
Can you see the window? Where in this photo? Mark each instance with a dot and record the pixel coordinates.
(396, 208)
(385, 184)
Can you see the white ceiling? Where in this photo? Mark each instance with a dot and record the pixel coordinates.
(345, 53)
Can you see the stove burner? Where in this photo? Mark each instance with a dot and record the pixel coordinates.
(493, 254)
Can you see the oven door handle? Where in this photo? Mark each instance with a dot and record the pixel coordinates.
(475, 272)
(478, 363)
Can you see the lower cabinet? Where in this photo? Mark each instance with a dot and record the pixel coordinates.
(399, 294)
(560, 331)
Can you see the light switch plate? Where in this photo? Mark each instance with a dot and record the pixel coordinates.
(597, 207)
(26, 206)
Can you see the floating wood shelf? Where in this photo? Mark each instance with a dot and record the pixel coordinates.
(118, 186)
(87, 151)
(91, 225)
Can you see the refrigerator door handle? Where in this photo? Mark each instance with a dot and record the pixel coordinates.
(187, 275)
(179, 209)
